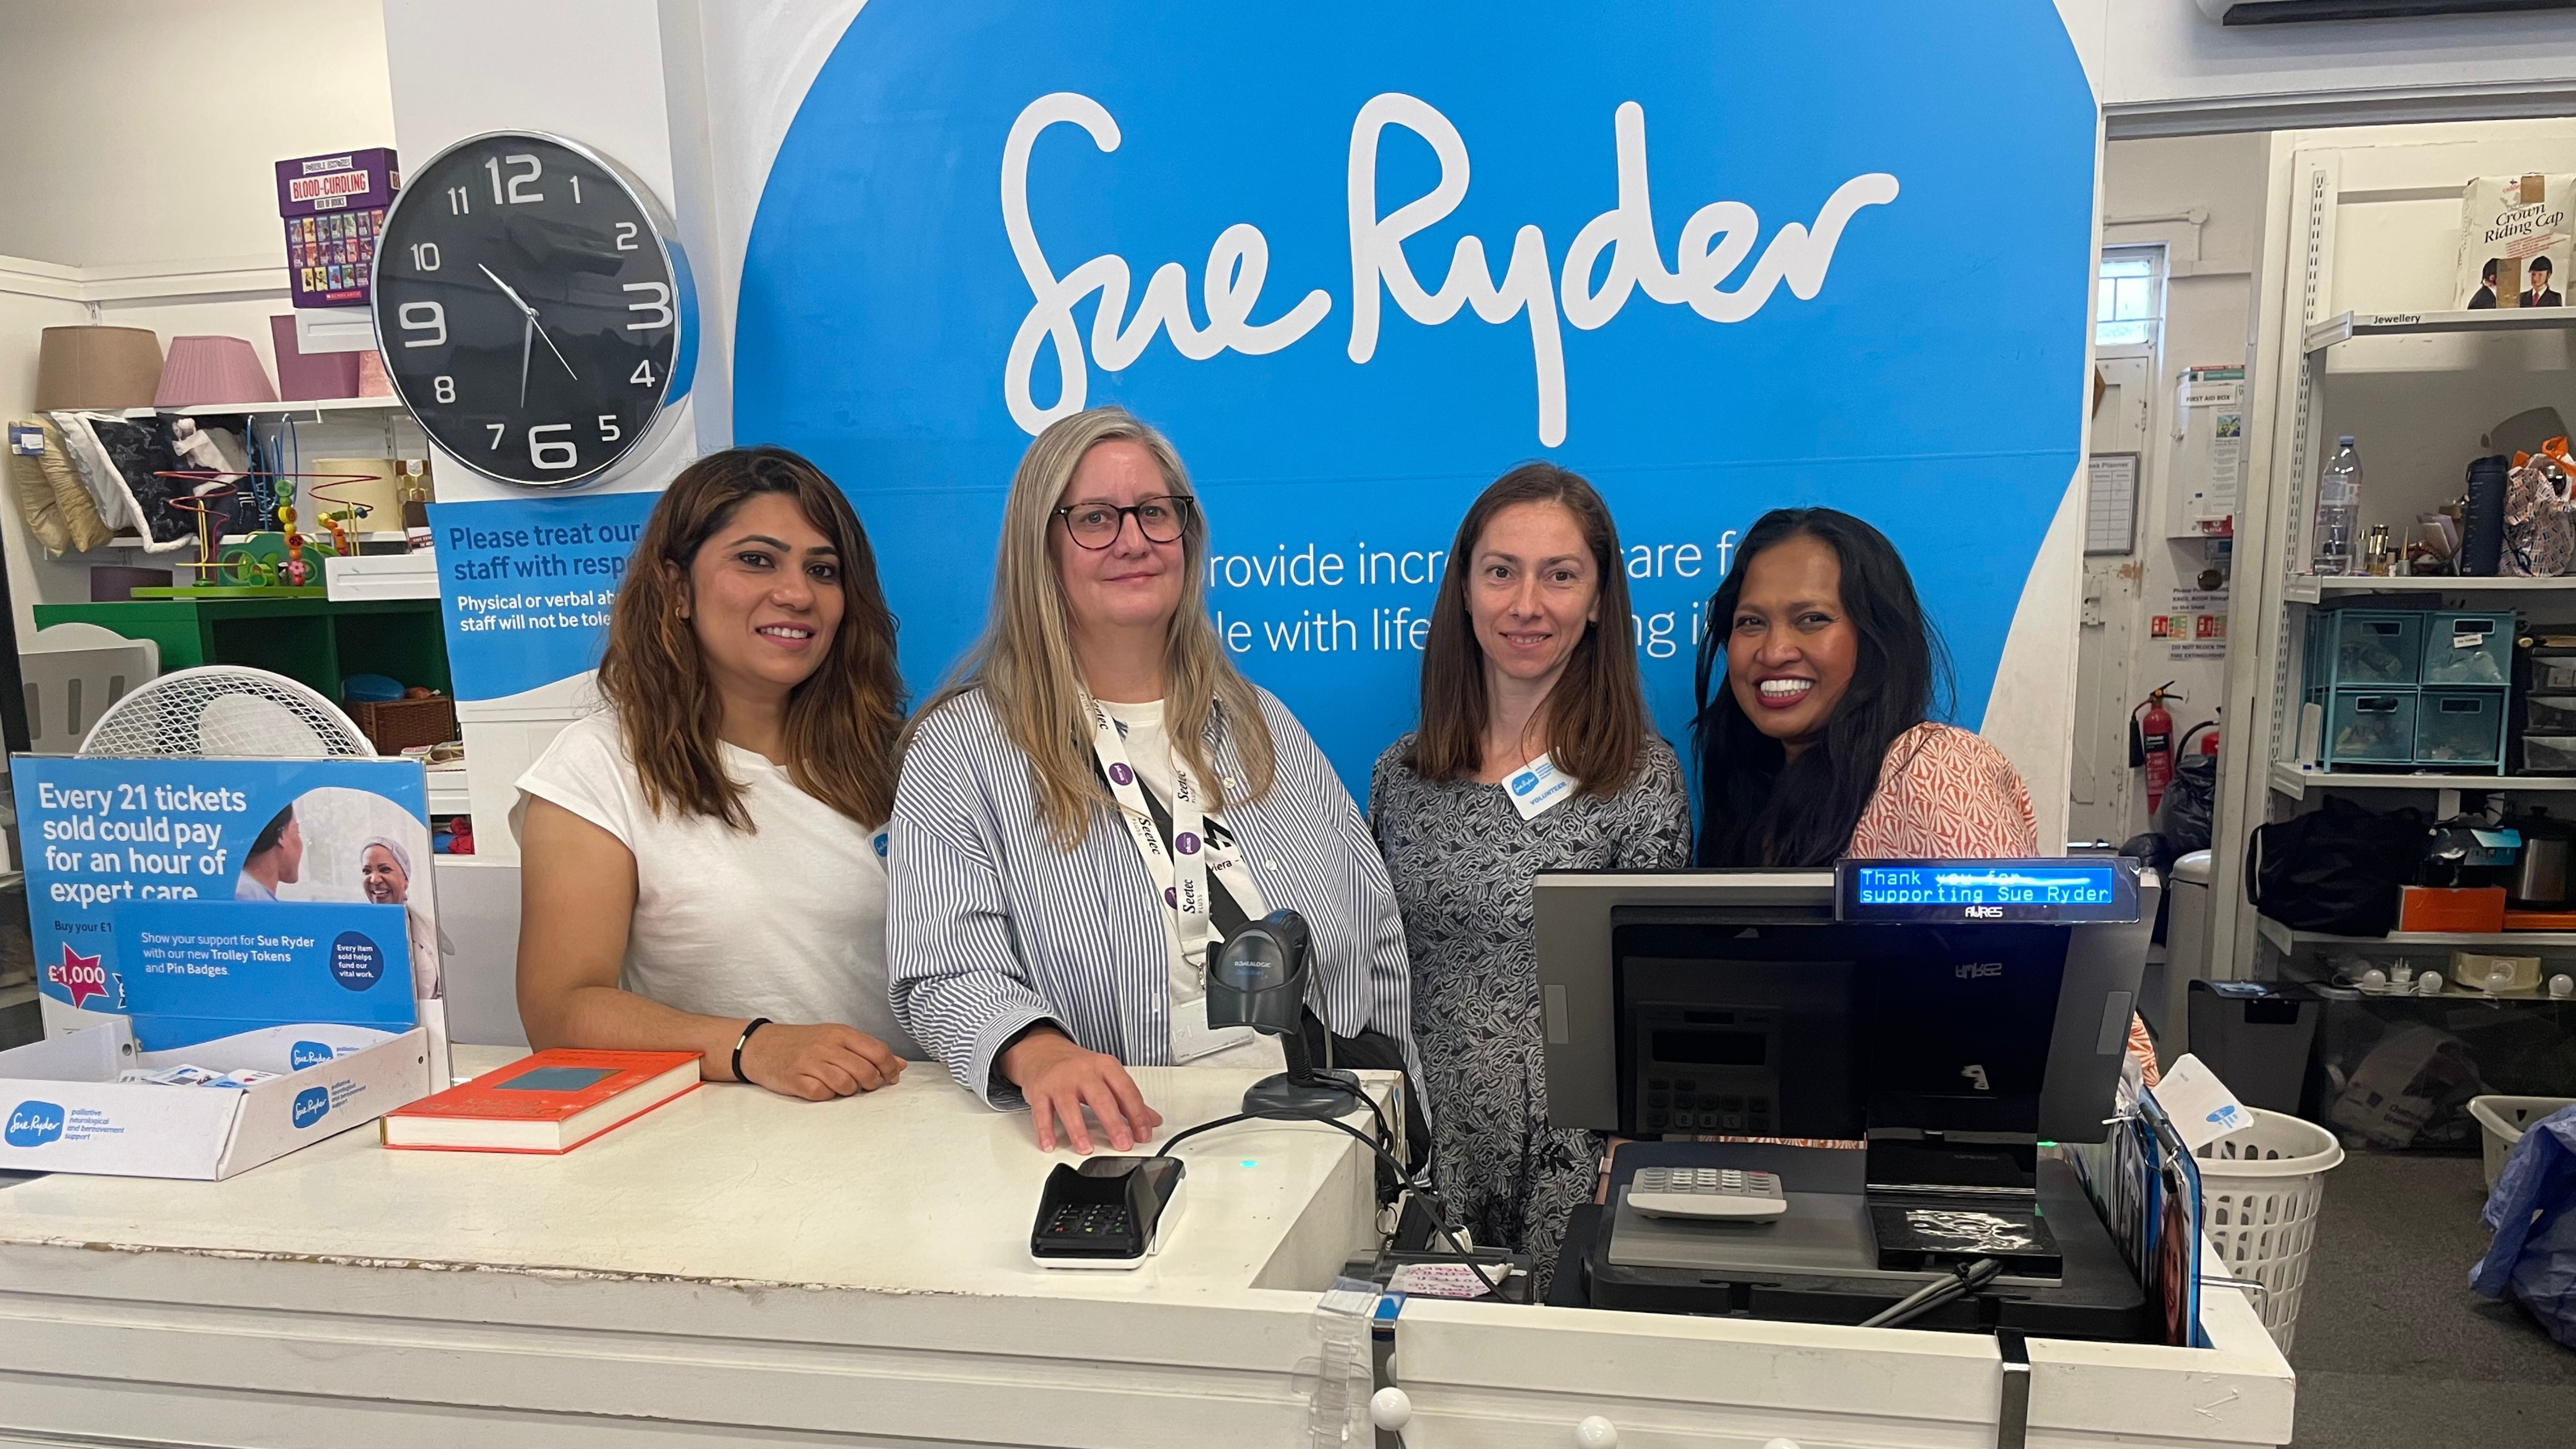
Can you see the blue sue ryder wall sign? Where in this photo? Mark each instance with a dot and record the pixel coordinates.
(1358, 259)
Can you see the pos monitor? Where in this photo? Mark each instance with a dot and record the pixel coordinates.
(1949, 1001)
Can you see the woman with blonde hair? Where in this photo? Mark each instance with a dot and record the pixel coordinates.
(701, 866)
(1100, 798)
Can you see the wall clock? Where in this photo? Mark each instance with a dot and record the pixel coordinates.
(533, 307)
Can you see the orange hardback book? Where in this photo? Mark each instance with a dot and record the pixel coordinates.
(552, 1101)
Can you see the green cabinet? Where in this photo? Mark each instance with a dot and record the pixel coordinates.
(317, 641)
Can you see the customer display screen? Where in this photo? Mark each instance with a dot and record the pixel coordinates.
(2090, 888)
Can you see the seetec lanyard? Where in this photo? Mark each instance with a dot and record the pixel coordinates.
(1180, 871)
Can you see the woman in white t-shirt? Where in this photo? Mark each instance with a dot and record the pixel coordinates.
(703, 860)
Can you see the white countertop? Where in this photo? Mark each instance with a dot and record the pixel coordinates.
(915, 1189)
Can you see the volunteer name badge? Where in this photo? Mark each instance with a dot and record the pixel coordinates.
(1538, 787)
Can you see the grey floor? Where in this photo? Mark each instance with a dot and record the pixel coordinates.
(2392, 1347)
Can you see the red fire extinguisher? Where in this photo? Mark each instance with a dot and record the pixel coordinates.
(2151, 742)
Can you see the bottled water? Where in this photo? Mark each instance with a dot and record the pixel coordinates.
(2338, 521)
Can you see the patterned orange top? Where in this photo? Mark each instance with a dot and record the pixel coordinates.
(1944, 793)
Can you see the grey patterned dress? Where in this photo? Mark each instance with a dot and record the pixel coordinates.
(1462, 859)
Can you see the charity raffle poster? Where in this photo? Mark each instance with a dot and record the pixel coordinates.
(1359, 259)
(212, 891)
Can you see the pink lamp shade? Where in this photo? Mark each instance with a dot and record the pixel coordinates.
(202, 370)
(306, 375)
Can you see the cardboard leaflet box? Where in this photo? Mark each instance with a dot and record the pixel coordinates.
(68, 1112)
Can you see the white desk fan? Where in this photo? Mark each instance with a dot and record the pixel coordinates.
(226, 712)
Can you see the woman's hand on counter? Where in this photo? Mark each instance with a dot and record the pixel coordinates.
(819, 1063)
(1060, 1078)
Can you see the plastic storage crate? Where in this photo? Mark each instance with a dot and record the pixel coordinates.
(2376, 647)
(2467, 647)
(2370, 727)
(2460, 729)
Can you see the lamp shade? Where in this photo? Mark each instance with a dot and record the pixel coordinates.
(204, 370)
(107, 368)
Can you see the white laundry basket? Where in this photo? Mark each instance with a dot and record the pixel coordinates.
(2259, 1191)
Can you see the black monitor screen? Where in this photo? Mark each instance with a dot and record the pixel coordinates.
(1824, 1029)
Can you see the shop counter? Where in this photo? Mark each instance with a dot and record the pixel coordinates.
(738, 1267)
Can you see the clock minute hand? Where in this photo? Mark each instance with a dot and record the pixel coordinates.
(557, 351)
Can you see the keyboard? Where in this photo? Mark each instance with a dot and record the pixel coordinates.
(1706, 1192)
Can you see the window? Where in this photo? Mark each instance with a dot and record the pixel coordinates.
(2126, 305)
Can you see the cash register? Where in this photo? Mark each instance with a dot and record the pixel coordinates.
(1941, 1019)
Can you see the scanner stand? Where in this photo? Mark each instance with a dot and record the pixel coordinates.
(1305, 1091)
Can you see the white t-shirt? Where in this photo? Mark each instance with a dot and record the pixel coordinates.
(787, 921)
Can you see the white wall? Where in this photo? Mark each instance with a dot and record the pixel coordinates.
(146, 130)
(2162, 63)
(137, 144)
(2209, 298)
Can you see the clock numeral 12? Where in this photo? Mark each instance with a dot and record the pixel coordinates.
(555, 455)
(515, 195)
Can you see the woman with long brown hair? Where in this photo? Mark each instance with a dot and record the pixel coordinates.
(1098, 799)
(1534, 752)
(702, 865)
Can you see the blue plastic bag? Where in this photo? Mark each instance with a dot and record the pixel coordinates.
(2534, 1253)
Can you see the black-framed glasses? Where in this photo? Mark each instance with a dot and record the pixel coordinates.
(1096, 525)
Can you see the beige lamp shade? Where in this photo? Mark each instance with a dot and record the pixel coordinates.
(204, 370)
(106, 368)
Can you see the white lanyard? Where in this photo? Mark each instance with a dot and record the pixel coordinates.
(1184, 881)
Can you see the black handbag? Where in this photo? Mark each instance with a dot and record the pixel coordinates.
(2335, 870)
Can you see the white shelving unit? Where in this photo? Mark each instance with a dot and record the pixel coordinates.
(2335, 330)
(308, 405)
(2275, 626)
(447, 790)
(2288, 940)
(2296, 781)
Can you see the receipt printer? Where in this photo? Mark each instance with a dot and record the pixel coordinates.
(1106, 1212)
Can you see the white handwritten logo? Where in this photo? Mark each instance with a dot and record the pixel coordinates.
(1714, 242)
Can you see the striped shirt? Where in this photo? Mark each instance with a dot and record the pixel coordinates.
(991, 927)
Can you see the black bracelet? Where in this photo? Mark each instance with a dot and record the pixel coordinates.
(755, 1024)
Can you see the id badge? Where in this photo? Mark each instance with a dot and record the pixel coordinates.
(1538, 787)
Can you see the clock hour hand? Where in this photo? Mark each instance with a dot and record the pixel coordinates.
(527, 338)
(507, 290)
(531, 313)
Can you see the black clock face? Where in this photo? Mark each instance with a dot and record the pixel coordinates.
(526, 309)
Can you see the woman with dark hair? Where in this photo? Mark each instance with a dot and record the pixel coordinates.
(1533, 753)
(1820, 746)
(702, 861)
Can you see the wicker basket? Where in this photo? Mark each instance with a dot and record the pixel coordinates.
(399, 724)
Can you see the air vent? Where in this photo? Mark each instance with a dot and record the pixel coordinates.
(2292, 12)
